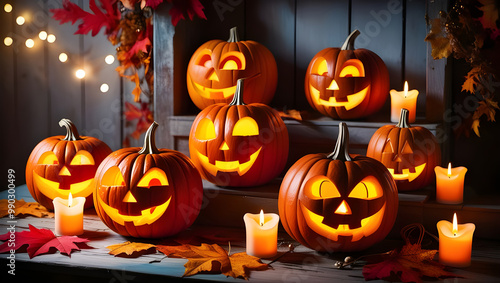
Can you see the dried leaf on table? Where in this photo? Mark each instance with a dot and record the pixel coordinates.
(292, 114)
(439, 42)
(41, 241)
(131, 249)
(22, 207)
(214, 259)
(409, 263)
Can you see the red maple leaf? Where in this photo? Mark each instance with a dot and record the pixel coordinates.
(90, 22)
(190, 7)
(40, 241)
(143, 115)
(153, 3)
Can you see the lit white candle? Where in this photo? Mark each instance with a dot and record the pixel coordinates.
(406, 99)
(262, 234)
(68, 214)
(455, 242)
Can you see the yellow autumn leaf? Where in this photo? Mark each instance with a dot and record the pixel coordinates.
(440, 44)
(131, 249)
(22, 207)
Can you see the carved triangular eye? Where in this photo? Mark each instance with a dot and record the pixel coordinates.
(368, 188)
(320, 187)
(320, 67)
(388, 148)
(205, 130)
(48, 158)
(154, 177)
(406, 148)
(246, 126)
(82, 157)
(113, 177)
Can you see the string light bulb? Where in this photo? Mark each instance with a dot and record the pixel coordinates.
(109, 59)
(30, 43)
(7, 8)
(42, 35)
(80, 73)
(51, 38)
(20, 20)
(8, 41)
(63, 57)
(104, 88)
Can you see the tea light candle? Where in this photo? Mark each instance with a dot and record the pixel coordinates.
(403, 99)
(455, 242)
(68, 214)
(450, 184)
(261, 234)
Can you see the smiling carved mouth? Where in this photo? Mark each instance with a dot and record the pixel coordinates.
(213, 93)
(353, 100)
(51, 189)
(148, 215)
(368, 225)
(406, 175)
(228, 166)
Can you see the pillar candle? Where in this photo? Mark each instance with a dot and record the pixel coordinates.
(455, 244)
(68, 214)
(450, 184)
(403, 99)
(261, 234)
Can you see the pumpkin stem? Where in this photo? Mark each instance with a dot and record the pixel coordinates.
(238, 94)
(349, 42)
(149, 141)
(341, 151)
(233, 35)
(403, 119)
(71, 131)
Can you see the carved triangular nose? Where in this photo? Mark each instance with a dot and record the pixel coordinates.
(129, 197)
(333, 86)
(343, 209)
(224, 146)
(64, 172)
(213, 76)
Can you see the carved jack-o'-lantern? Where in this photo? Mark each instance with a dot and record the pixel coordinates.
(216, 65)
(410, 153)
(346, 83)
(147, 192)
(61, 165)
(238, 144)
(337, 202)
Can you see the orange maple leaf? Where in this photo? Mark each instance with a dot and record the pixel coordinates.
(131, 249)
(22, 207)
(214, 259)
(440, 43)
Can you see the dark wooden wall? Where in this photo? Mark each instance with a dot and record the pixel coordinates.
(37, 90)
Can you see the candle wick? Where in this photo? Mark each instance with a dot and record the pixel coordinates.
(454, 234)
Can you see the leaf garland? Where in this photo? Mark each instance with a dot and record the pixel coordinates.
(470, 32)
(128, 25)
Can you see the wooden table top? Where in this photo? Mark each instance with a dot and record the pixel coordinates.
(300, 266)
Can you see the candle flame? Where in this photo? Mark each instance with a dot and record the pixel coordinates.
(449, 169)
(455, 226)
(406, 89)
(261, 217)
(70, 200)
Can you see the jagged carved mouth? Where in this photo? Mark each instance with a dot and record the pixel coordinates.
(368, 225)
(51, 189)
(406, 174)
(228, 166)
(353, 100)
(214, 93)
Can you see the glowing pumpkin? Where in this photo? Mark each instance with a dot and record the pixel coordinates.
(148, 192)
(410, 153)
(216, 66)
(337, 202)
(61, 165)
(346, 83)
(238, 144)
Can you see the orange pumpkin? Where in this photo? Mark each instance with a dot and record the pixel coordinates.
(216, 65)
(410, 153)
(148, 192)
(239, 144)
(346, 83)
(337, 202)
(61, 165)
